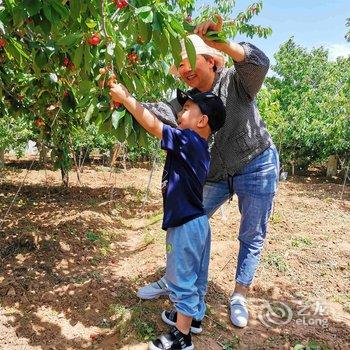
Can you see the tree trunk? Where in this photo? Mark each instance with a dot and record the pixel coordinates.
(65, 177)
(293, 167)
(332, 165)
(2, 158)
(43, 150)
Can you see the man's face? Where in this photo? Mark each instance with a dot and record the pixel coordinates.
(190, 116)
(201, 77)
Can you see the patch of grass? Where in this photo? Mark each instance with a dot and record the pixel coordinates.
(148, 238)
(276, 218)
(92, 237)
(312, 345)
(116, 309)
(231, 344)
(301, 242)
(155, 218)
(329, 200)
(277, 261)
(342, 298)
(102, 239)
(131, 318)
(145, 330)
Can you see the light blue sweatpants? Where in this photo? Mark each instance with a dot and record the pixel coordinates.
(188, 254)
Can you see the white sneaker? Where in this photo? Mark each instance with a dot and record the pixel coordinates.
(239, 310)
(154, 290)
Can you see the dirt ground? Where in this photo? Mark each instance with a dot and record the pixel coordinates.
(71, 261)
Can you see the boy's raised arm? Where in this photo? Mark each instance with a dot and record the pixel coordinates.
(145, 118)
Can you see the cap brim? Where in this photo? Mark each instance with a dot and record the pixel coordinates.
(182, 97)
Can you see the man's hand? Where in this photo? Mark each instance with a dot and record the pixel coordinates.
(202, 28)
(119, 93)
(206, 26)
(234, 50)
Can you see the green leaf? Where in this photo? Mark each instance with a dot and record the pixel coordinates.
(132, 139)
(188, 26)
(161, 41)
(119, 56)
(128, 82)
(32, 7)
(145, 14)
(299, 347)
(175, 49)
(128, 122)
(70, 39)
(87, 87)
(78, 56)
(106, 126)
(41, 59)
(142, 137)
(177, 27)
(191, 52)
(75, 6)
(144, 30)
(19, 48)
(89, 112)
(90, 23)
(117, 115)
(59, 8)
(120, 132)
(87, 59)
(45, 26)
(138, 85)
(47, 11)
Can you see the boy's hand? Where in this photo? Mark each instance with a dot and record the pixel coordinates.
(119, 93)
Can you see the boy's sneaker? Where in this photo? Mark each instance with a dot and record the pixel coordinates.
(239, 310)
(174, 340)
(154, 290)
(170, 318)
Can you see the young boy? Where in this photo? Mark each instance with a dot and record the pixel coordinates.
(188, 232)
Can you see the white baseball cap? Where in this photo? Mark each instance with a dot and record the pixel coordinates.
(201, 49)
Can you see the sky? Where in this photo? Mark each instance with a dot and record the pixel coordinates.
(313, 23)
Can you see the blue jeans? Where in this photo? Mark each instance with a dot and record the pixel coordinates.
(188, 253)
(255, 187)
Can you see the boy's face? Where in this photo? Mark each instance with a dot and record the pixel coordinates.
(191, 117)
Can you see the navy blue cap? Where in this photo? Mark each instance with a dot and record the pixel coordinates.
(209, 104)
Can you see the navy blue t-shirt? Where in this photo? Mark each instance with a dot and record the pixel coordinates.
(185, 172)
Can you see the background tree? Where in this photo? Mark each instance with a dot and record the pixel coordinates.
(313, 99)
(67, 51)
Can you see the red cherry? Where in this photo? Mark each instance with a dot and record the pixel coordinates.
(94, 40)
(3, 42)
(117, 104)
(121, 4)
(66, 61)
(39, 123)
